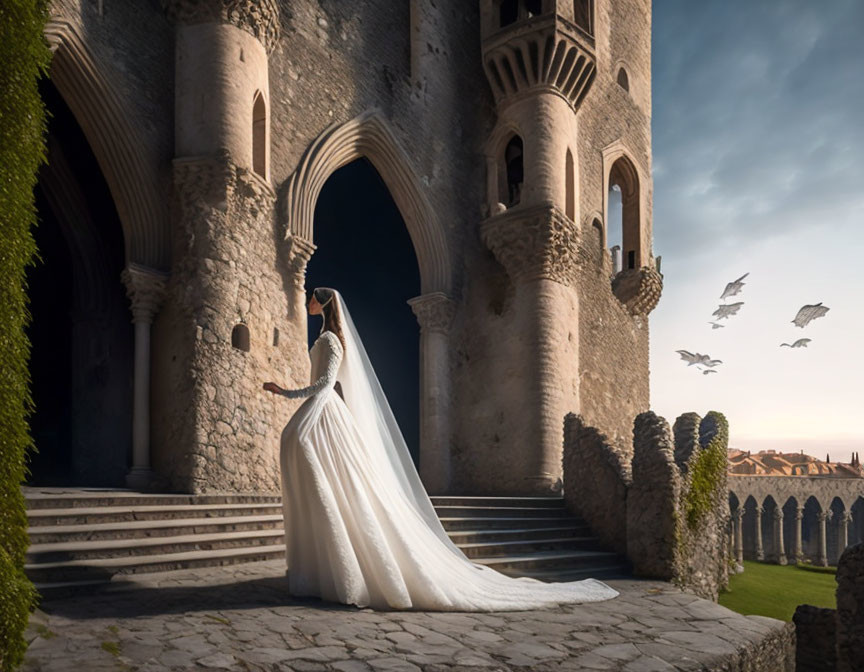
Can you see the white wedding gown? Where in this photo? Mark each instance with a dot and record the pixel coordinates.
(359, 528)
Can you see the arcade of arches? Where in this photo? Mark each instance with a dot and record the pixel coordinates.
(789, 520)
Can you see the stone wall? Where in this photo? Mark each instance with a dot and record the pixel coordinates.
(671, 521)
(850, 610)
(815, 645)
(654, 513)
(603, 477)
(832, 640)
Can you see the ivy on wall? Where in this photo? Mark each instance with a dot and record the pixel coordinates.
(706, 473)
(24, 58)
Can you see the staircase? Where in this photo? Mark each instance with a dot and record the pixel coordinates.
(81, 539)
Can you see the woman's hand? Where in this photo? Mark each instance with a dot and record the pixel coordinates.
(274, 388)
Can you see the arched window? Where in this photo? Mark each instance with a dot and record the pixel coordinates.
(259, 135)
(583, 15)
(624, 198)
(623, 79)
(570, 186)
(514, 172)
(240, 337)
(508, 12)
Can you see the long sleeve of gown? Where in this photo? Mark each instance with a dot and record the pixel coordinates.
(328, 378)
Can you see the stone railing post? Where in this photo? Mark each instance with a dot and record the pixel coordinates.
(823, 517)
(760, 553)
(798, 551)
(145, 288)
(435, 313)
(779, 549)
(737, 522)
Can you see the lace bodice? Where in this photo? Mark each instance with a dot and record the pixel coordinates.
(326, 355)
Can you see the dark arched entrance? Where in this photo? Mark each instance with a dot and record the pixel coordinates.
(81, 331)
(364, 250)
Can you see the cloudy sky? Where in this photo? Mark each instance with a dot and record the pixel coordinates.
(759, 167)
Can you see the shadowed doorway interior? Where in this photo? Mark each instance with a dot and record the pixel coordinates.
(364, 250)
(81, 330)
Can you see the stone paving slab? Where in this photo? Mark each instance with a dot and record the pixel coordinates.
(241, 618)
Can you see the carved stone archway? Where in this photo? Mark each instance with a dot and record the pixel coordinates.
(129, 165)
(368, 136)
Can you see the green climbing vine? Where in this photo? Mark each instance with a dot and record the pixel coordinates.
(24, 58)
(706, 472)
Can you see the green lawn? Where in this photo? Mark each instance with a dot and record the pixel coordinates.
(775, 591)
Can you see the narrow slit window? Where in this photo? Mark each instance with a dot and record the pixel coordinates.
(259, 136)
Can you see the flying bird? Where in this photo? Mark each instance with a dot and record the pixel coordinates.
(707, 371)
(734, 287)
(692, 357)
(809, 313)
(716, 325)
(800, 343)
(727, 310)
(712, 362)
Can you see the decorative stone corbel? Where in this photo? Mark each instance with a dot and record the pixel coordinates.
(434, 312)
(534, 243)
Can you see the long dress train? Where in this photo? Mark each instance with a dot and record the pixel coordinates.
(354, 531)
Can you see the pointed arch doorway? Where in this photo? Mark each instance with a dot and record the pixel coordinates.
(369, 137)
(363, 249)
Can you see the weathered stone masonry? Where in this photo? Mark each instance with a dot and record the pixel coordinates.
(244, 108)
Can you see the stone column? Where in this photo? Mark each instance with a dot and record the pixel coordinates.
(145, 288)
(737, 522)
(798, 551)
(298, 252)
(779, 549)
(843, 521)
(537, 246)
(760, 553)
(823, 517)
(435, 313)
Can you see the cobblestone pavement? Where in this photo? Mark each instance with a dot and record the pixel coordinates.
(239, 618)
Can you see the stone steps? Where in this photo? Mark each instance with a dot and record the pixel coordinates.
(82, 540)
(142, 529)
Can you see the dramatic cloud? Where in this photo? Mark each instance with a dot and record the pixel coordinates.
(757, 115)
(759, 166)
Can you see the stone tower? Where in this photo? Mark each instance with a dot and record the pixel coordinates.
(230, 294)
(572, 334)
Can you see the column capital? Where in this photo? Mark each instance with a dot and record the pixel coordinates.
(434, 311)
(145, 288)
(845, 517)
(259, 18)
(799, 513)
(778, 513)
(535, 243)
(298, 252)
(822, 516)
(738, 513)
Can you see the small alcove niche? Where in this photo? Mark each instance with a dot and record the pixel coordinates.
(570, 186)
(240, 337)
(259, 135)
(623, 79)
(275, 336)
(511, 173)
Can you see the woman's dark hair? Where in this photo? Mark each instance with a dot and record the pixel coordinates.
(330, 307)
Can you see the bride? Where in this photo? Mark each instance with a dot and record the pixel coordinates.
(359, 527)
